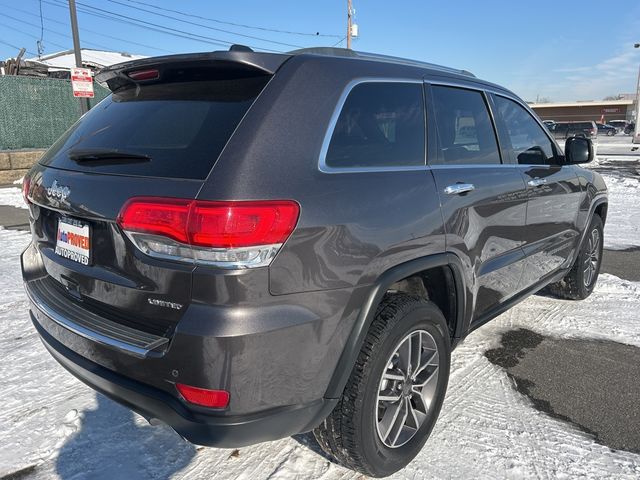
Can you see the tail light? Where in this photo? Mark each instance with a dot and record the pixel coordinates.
(203, 396)
(26, 185)
(240, 234)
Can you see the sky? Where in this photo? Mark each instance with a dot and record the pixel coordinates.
(548, 49)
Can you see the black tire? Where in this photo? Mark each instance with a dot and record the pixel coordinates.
(576, 285)
(350, 433)
(611, 133)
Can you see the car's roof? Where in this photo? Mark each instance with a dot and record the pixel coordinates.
(356, 55)
(268, 63)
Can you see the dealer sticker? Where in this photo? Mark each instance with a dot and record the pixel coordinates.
(73, 241)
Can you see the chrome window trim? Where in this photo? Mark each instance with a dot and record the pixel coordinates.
(469, 86)
(322, 163)
(442, 166)
(545, 131)
(494, 125)
(509, 96)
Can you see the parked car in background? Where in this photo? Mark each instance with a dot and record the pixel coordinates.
(549, 124)
(630, 128)
(607, 130)
(562, 130)
(620, 125)
(193, 259)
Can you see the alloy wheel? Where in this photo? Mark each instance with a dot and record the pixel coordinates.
(407, 388)
(592, 258)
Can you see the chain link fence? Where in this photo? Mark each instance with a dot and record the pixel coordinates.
(35, 111)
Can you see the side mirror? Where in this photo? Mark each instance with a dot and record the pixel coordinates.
(578, 150)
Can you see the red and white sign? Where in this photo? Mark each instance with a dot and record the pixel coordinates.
(82, 82)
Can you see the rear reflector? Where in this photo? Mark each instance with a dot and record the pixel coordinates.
(203, 396)
(240, 234)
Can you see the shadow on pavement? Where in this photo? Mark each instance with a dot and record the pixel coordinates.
(308, 440)
(110, 444)
(591, 383)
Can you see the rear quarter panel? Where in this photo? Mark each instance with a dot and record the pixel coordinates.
(352, 226)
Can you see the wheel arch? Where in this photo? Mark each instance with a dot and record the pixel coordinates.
(375, 295)
(599, 206)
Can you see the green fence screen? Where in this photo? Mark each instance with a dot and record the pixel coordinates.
(35, 111)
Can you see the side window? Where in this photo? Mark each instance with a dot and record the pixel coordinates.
(381, 125)
(465, 130)
(529, 143)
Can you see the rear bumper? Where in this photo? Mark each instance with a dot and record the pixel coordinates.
(196, 426)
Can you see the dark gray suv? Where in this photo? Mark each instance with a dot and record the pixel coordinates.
(247, 246)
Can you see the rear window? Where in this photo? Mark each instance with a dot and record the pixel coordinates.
(182, 127)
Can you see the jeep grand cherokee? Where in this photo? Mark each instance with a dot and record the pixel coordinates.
(247, 246)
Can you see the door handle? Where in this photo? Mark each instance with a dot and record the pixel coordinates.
(459, 188)
(537, 182)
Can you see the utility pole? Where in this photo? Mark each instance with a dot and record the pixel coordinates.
(636, 132)
(348, 24)
(84, 102)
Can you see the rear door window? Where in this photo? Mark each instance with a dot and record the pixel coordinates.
(182, 127)
(465, 130)
(529, 143)
(381, 124)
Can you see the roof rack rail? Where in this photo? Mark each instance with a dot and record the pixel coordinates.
(343, 52)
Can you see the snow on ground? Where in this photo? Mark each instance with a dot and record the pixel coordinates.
(622, 229)
(55, 427)
(12, 196)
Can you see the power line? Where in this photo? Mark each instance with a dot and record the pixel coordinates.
(13, 46)
(206, 26)
(152, 26)
(185, 35)
(12, 27)
(87, 30)
(55, 32)
(265, 29)
(339, 41)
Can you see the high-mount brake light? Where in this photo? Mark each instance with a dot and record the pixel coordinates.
(140, 75)
(234, 234)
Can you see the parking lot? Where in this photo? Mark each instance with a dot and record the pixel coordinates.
(547, 390)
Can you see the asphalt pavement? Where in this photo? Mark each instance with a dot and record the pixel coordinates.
(593, 384)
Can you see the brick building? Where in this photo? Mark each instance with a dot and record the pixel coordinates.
(589, 110)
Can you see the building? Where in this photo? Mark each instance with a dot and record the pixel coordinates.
(623, 109)
(59, 64)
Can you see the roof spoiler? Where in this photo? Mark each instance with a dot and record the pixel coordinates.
(238, 59)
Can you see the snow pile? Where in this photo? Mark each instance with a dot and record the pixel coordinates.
(622, 229)
(12, 196)
(55, 427)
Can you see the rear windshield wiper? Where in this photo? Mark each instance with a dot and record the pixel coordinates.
(100, 155)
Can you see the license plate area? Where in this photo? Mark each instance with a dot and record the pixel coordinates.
(73, 240)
